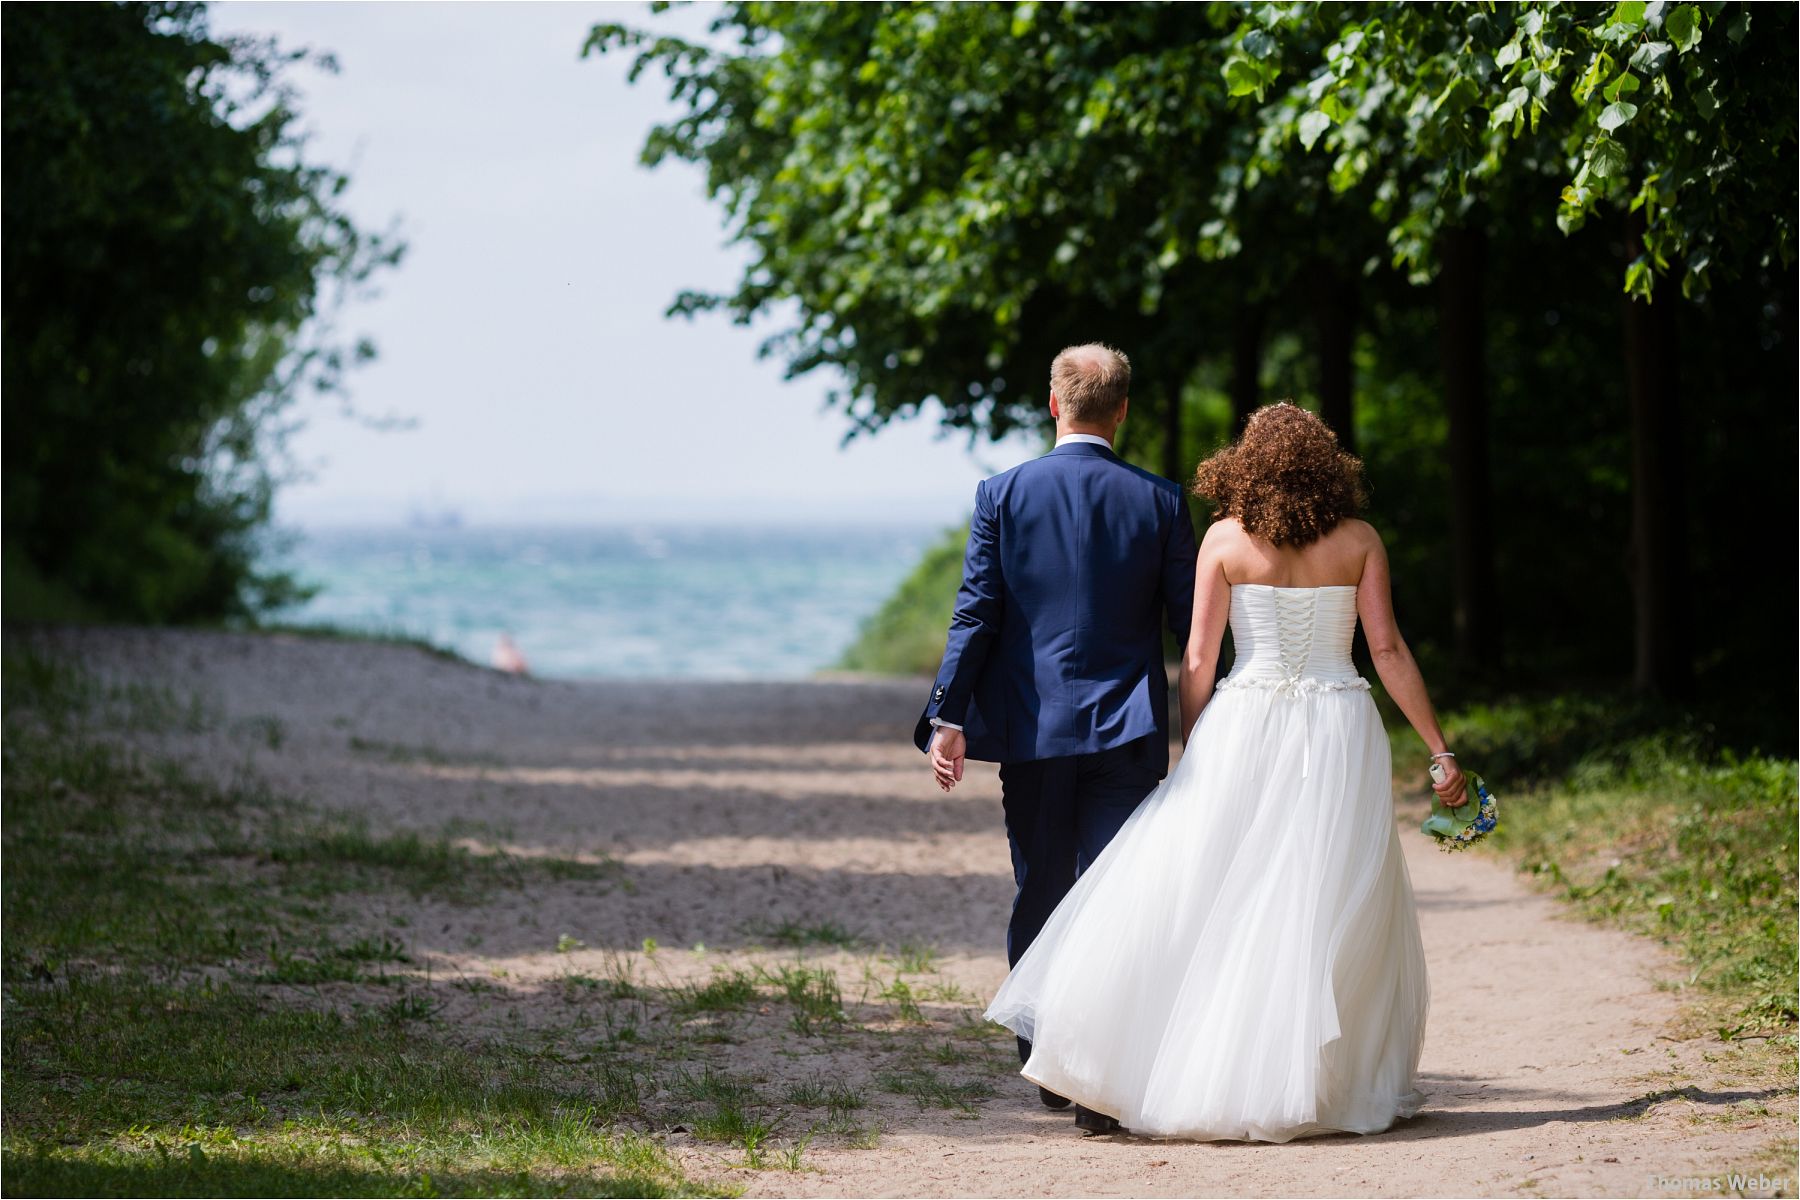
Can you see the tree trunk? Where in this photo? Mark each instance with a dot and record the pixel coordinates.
(1659, 558)
(1173, 462)
(1246, 364)
(1462, 348)
(1334, 324)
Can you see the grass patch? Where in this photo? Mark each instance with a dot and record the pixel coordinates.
(1649, 828)
(904, 1002)
(814, 992)
(351, 633)
(63, 699)
(916, 958)
(207, 1089)
(818, 933)
(931, 1090)
(141, 1053)
(726, 991)
(403, 754)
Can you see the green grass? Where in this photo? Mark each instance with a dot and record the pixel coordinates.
(931, 1090)
(63, 699)
(814, 992)
(144, 1052)
(818, 933)
(1632, 815)
(206, 1088)
(726, 991)
(351, 633)
(916, 958)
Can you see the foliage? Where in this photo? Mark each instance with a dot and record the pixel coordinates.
(947, 194)
(940, 196)
(170, 256)
(1634, 105)
(1632, 814)
(147, 909)
(905, 636)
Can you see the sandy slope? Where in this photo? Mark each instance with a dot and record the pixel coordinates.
(1549, 1062)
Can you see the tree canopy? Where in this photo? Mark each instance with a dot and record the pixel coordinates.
(169, 253)
(1468, 233)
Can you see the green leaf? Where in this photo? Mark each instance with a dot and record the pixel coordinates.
(1590, 79)
(1616, 114)
(1651, 57)
(1739, 29)
(1312, 125)
(1335, 106)
(1259, 44)
(1509, 109)
(1629, 13)
(1459, 94)
(1624, 85)
(1707, 101)
(1607, 158)
(1508, 55)
(1683, 25)
(1242, 77)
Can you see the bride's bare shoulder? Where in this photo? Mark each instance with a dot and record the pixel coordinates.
(1358, 532)
(1225, 531)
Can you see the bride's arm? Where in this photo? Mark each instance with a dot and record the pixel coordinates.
(1212, 604)
(1394, 663)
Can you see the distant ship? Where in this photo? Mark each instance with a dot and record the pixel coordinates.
(434, 518)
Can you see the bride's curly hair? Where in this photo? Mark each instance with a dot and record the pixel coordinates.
(1286, 479)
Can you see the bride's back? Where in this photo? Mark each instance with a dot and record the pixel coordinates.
(1334, 560)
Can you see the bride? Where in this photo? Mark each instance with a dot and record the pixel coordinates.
(1243, 960)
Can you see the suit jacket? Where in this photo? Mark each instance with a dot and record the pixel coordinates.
(1074, 562)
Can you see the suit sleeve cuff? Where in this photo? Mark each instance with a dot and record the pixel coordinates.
(943, 724)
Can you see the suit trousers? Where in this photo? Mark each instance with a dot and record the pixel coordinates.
(1060, 814)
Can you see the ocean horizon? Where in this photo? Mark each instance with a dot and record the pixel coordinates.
(653, 599)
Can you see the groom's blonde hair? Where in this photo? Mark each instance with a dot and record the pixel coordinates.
(1091, 381)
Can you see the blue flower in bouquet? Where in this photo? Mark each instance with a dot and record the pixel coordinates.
(1461, 827)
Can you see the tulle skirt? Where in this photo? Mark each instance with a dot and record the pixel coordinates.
(1243, 960)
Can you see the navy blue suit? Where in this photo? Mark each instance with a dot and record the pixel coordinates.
(1054, 663)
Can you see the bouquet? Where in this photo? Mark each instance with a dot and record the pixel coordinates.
(1461, 827)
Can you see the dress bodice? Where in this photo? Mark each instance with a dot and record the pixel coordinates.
(1293, 639)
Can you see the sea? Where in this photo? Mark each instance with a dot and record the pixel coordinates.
(673, 601)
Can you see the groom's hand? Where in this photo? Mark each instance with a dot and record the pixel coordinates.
(947, 749)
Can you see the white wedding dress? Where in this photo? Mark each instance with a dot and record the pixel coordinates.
(1243, 960)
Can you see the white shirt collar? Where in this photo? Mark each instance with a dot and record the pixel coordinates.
(1093, 439)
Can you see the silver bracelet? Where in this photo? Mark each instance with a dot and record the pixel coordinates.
(1443, 754)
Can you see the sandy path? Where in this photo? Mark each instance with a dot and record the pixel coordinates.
(1549, 1061)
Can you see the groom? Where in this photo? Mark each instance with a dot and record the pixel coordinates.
(1054, 665)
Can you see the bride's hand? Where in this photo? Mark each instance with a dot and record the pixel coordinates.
(1453, 791)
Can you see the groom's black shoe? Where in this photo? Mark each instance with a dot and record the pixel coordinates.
(1051, 1099)
(1095, 1122)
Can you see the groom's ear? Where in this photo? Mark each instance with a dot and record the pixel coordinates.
(1124, 407)
(1055, 408)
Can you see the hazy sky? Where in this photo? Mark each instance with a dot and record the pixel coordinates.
(524, 331)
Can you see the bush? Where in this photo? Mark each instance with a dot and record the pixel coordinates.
(906, 635)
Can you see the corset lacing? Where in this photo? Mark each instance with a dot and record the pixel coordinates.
(1296, 623)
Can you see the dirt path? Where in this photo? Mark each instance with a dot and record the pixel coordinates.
(737, 811)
